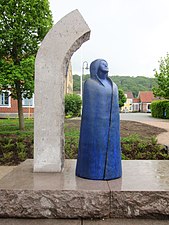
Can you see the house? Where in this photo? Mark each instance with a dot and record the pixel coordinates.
(9, 106)
(129, 102)
(136, 105)
(145, 99)
(140, 104)
(68, 85)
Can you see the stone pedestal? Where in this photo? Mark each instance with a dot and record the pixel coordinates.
(142, 192)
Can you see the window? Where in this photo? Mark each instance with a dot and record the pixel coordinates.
(4, 98)
(137, 107)
(28, 102)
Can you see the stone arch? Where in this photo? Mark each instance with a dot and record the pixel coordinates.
(50, 68)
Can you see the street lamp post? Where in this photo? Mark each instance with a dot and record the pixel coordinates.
(84, 67)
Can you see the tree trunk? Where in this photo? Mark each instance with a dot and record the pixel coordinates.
(20, 108)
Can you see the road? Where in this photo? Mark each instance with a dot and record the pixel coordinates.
(141, 117)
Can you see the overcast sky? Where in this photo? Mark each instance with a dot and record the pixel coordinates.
(131, 35)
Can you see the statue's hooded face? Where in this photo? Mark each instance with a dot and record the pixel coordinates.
(103, 68)
(96, 66)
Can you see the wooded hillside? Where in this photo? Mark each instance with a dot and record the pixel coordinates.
(126, 83)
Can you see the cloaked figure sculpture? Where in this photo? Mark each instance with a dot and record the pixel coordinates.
(99, 154)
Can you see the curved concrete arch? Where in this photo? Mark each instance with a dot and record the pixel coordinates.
(50, 69)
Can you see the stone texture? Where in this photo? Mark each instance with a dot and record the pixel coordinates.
(50, 68)
(82, 222)
(53, 204)
(142, 192)
(39, 222)
(125, 222)
(140, 204)
(52, 195)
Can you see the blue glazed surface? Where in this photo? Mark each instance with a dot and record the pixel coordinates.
(99, 154)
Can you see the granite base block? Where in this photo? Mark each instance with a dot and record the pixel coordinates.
(154, 205)
(53, 204)
(52, 195)
(142, 192)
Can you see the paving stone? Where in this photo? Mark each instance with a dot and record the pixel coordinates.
(5, 170)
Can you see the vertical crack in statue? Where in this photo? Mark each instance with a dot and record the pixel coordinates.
(99, 154)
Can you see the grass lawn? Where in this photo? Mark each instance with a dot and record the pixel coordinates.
(138, 141)
(11, 126)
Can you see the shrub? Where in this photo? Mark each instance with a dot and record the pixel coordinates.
(160, 109)
(73, 104)
(15, 149)
(134, 147)
(71, 147)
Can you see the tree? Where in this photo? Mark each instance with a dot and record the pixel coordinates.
(76, 83)
(23, 25)
(73, 105)
(162, 88)
(122, 98)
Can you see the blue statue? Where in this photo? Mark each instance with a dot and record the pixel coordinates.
(99, 154)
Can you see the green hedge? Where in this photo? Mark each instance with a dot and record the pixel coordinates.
(73, 104)
(160, 109)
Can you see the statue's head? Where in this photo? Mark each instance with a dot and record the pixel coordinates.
(98, 68)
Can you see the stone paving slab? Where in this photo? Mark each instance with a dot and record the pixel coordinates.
(5, 170)
(23, 178)
(142, 175)
(143, 191)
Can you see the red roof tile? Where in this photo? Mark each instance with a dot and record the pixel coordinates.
(129, 94)
(146, 96)
(136, 100)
